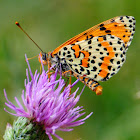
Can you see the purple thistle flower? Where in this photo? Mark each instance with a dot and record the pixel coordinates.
(47, 103)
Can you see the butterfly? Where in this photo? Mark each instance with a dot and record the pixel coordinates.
(95, 54)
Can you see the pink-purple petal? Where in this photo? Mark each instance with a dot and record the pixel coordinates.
(19, 104)
(47, 102)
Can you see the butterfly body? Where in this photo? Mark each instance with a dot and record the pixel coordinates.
(96, 54)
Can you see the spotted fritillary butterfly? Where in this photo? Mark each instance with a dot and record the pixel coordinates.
(95, 54)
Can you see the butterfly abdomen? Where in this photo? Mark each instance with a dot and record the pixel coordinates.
(93, 85)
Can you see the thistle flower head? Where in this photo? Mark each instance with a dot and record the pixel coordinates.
(46, 102)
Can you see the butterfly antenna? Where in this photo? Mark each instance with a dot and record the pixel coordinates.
(17, 23)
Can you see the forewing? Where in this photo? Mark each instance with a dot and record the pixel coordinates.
(122, 27)
(100, 51)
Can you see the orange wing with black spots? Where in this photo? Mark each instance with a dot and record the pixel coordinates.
(99, 60)
(99, 52)
(122, 27)
(94, 55)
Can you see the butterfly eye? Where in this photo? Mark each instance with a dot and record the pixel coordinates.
(43, 58)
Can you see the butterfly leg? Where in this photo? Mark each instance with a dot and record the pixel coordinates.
(40, 68)
(93, 85)
(70, 81)
(32, 57)
(66, 83)
(49, 65)
(50, 73)
(64, 74)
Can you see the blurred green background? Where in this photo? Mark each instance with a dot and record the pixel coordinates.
(50, 23)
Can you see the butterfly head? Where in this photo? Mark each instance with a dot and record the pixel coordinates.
(43, 58)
